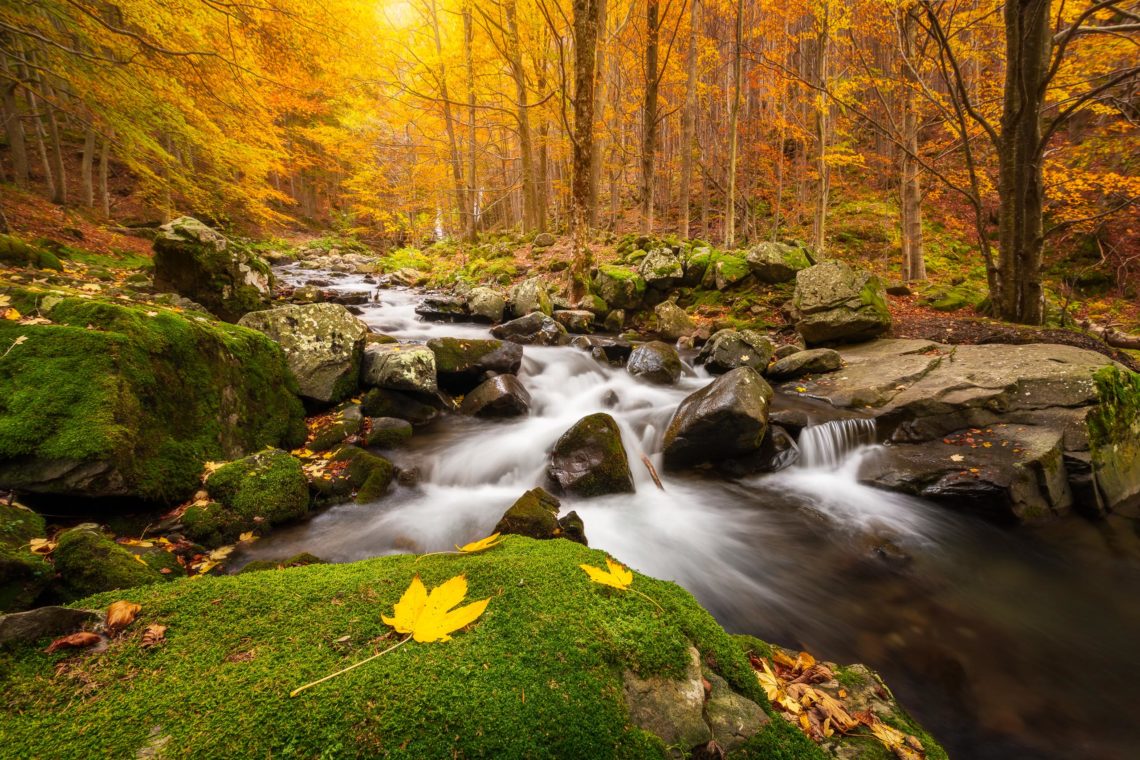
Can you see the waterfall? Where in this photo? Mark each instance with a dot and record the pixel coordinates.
(826, 446)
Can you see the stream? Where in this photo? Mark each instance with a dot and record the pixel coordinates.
(1002, 643)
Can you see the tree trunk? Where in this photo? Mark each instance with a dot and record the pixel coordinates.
(13, 125)
(1020, 183)
(87, 169)
(526, 141)
(910, 192)
(472, 193)
(649, 115)
(822, 128)
(104, 171)
(689, 119)
(449, 123)
(599, 111)
(585, 57)
(41, 143)
(733, 122)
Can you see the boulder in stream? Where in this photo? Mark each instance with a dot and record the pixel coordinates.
(463, 363)
(441, 308)
(535, 515)
(322, 342)
(590, 460)
(534, 329)
(381, 402)
(577, 321)
(530, 296)
(672, 321)
(501, 396)
(655, 362)
(387, 432)
(726, 419)
(486, 305)
(729, 349)
(400, 367)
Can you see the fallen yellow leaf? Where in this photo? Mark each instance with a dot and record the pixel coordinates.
(430, 617)
(617, 576)
(481, 545)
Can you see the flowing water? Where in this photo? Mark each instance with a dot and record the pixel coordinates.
(1004, 644)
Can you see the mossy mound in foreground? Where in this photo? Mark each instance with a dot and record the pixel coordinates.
(116, 400)
(540, 674)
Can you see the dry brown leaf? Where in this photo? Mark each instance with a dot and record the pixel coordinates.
(154, 635)
(79, 640)
(120, 615)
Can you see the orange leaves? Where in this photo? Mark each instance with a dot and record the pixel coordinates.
(154, 635)
(80, 640)
(120, 615)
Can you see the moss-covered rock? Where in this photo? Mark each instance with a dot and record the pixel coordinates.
(834, 303)
(589, 459)
(16, 252)
(530, 296)
(463, 363)
(547, 633)
(381, 402)
(1114, 440)
(23, 575)
(661, 268)
(387, 432)
(297, 560)
(619, 287)
(198, 262)
(88, 563)
(777, 262)
(114, 400)
(254, 493)
(331, 431)
(725, 270)
(369, 474)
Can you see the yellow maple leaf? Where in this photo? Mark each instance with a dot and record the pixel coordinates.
(11, 314)
(481, 545)
(41, 545)
(431, 617)
(617, 576)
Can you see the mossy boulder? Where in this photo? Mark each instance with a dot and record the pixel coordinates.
(463, 363)
(835, 303)
(535, 515)
(198, 262)
(323, 344)
(15, 252)
(696, 263)
(777, 262)
(380, 402)
(672, 321)
(725, 270)
(619, 287)
(400, 367)
(530, 296)
(661, 268)
(88, 563)
(23, 575)
(728, 349)
(370, 475)
(254, 493)
(114, 400)
(332, 430)
(725, 420)
(655, 362)
(589, 459)
(1114, 441)
(387, 432)
(486, 305)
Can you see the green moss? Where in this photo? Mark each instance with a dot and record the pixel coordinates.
(18, 526)
(1117, 416)
(150, 393)
(265, 489)
(23, 577)
(239, 644)
(297, 560)
(212, 524)
(370, 475)
(88, 563)
(18, 253)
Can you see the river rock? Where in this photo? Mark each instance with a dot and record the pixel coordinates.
(1004, 472)
(696, 263)
(724, 420)
(776, 262)
(655, 362)
(615, 321)
(486, 305)
(323, 344)
(387, 432)
(810, 362)
(733, 718)
(438, 308)
(577, 321)
(381, 402)
(672, 321)
(331, 430)
(502, 396)
(198, 262)
(606, 350)
(728, 349)
(535, 515)
(834, 303)
(590, 460)
(785, 350)
(88, 563)
(534, 329)
(661, 269)
(111, 400)
(463, 363)
(619, 287)
(530, 296)
(400, 367)
(672, 709)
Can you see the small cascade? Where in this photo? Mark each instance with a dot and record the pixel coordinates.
(826, 446)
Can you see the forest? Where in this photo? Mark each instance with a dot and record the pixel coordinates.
(569, 379)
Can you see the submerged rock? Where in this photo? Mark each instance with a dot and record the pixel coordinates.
(834, 303)
(608, 350)
(400, 367)
(590, 460)
(323, 344)
(197, 262)
(655, 362)
(728, 349)
(724, 420)
(535, 515)
(533, 329)
(502, 396)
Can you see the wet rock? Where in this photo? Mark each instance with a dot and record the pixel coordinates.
(671, 709)
(323, 346)
(728, 349)
(401, 367)
(576, 321)
(776, 262)
(786, 350)
(88, 563)
(387, 432)
(811, 362)
(306, 295)
(615, 321)
(724, 420)
(197, 262)
(33, 625)
(486, 305)
(590, 460)
(533, 329)
(380, 402)
(608, 350)
(620, 287)
(834, 303)
(535, 515)
(443, 309)
(502, 396)
(655, 362)
(356, 298)
(332, 431)
(661, 269)
(672, 321)
(462, 363)
(530, 296)
(1019, 476)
